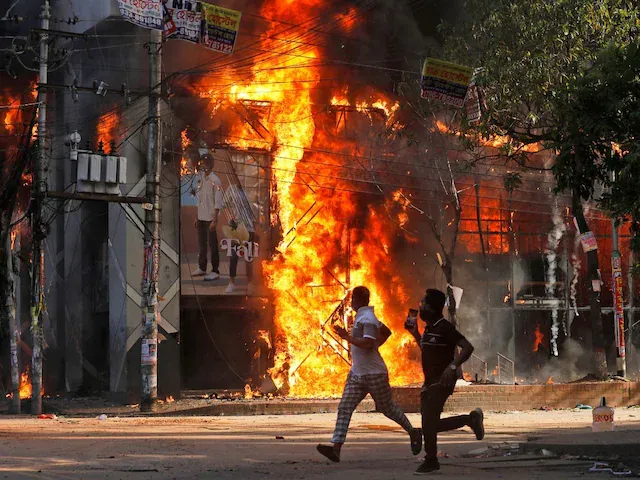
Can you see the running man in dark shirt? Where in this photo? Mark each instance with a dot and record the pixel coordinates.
(440, 365)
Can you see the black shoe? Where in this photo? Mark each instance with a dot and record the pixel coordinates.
(416, 440)
(427, 467)
(329, 452)
(477, 423)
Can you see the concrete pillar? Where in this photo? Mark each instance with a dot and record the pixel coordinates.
(126, 223)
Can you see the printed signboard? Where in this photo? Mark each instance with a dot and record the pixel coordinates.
(220, 28)
(144, 13)
(445, 81)
(618, 302)
(225, 224)
(186, 20)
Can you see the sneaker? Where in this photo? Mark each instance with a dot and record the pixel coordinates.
(211, 276)
(477, 423)
(230, 288)
(416, 440)
(198, 273)
(427, 467)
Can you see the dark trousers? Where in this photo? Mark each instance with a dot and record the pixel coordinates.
(208, 237)
(233, 264)
(432, 400)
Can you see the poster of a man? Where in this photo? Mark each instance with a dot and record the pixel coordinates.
(208, 194)
(225, 196)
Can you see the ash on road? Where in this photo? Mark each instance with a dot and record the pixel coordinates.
(248, 447)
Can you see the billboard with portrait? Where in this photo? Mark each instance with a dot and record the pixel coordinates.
(224, 222)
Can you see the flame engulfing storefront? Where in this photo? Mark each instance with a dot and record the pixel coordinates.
(343, 194)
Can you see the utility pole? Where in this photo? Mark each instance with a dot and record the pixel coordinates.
(618, 299)
(38, 191)
(149, 354)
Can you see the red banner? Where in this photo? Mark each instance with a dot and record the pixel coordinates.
(618, 302)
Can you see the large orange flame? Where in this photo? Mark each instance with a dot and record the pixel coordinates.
(25, 385)
(333, 238)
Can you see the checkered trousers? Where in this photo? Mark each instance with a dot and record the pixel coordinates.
(355, 390)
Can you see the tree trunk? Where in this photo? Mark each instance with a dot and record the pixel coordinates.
(597, 336)
(7, 314)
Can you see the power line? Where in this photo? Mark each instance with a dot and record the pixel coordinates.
(351, 156)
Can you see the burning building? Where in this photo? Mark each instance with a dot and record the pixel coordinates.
(340, 181)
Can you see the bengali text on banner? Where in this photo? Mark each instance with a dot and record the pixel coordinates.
(445, 81)
(220, 28)
(144, 13)
(186, 19)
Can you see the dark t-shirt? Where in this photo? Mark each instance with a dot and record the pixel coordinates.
(438, 348)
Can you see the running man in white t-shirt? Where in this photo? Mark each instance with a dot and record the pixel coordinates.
(209, 196)
(368, 374)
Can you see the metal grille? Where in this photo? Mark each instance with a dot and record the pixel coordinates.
(506, 370)
(477, 368)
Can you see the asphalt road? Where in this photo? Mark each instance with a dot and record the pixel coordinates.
(250, 447)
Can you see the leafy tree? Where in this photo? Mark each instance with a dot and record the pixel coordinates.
(602, 124)
(531, 53)
(604, 113)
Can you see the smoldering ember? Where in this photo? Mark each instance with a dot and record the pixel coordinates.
(192, 191)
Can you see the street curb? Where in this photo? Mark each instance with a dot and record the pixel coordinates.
(624, 450)
(231, 409)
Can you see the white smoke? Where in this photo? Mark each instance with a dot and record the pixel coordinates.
(576, 263)
(566, 368)
(553, 240)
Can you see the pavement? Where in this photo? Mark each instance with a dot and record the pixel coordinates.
(283, 447)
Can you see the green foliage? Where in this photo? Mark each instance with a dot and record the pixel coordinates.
(531, 51)
(599, 111)
(608, 108)
(564, 73)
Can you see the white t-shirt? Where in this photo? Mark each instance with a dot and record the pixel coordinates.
(209, 196)
(366, 361)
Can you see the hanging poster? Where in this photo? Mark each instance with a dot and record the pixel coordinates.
(220, 27)
(144, 13)
(588, 241)
(167, 20)
(237, 184)
(149, 351)
(445, 81)
(472, 104)
(186, 18)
